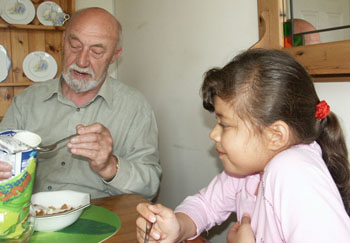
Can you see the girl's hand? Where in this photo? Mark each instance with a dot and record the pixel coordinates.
(241, 232)
(166, 227)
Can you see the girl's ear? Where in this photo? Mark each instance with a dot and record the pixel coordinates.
(278, 135)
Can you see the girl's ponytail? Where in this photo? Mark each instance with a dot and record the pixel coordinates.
(335, 154)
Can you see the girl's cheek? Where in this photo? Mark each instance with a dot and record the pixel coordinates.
(225, 142)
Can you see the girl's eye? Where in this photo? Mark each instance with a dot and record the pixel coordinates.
(222, 125)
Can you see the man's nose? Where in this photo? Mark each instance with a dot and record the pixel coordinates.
(83, 59)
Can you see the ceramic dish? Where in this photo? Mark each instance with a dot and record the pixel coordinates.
(17, 11)
(5, 63)
(44, 11)
(56, 199)
(39, 66)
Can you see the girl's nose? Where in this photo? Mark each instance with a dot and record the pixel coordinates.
(215, 134)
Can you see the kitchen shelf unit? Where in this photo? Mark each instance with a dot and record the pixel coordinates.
(20, 40)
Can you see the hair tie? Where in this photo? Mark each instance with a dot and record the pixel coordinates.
(322, 110)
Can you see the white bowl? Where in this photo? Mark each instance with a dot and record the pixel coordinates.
(49, 223)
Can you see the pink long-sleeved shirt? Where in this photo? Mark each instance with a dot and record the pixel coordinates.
(297, 200)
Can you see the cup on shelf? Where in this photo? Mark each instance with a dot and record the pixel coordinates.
(58, 18)
(49, 13)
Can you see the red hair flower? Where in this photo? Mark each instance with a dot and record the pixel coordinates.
(322, 110)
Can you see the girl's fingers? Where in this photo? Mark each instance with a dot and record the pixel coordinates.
(145, 211)
(245, 219)
(235, 227)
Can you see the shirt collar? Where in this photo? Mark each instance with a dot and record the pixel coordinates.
(53, 88)
(106, 90)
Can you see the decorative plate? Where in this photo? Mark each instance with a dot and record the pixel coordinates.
(17, 11)
(5, 63)
(39, 66)
(44, 11)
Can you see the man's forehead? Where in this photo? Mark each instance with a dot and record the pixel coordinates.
(90, 39)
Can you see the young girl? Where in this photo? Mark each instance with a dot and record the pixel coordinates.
(284, 154)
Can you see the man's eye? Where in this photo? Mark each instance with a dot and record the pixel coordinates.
(75, 46)
(98, 52)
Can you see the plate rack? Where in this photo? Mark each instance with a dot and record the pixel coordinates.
(20, 40)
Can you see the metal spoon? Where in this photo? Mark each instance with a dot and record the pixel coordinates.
(53, 146)
(148, 232)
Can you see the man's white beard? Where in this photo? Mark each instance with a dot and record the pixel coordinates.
(81, 86)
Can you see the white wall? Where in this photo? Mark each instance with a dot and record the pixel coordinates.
(167, 46)
(106, 4)
(337, 96)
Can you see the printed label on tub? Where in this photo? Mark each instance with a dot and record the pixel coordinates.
(14, 151)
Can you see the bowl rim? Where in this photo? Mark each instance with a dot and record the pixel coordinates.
(62, 214)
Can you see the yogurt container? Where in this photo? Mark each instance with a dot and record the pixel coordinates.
(16, 148)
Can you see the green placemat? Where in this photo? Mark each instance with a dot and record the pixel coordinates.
(94, 225)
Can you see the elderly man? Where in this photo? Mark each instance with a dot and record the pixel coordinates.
(116, 149)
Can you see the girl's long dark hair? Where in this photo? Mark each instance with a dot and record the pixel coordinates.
(268, 85)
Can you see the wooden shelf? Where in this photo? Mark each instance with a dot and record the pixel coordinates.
(325, 62)
(31, 27)
(19, 84)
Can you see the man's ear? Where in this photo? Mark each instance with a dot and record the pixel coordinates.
(116, 54)
(278, 135)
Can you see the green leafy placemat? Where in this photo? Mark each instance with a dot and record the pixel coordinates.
(94, 225)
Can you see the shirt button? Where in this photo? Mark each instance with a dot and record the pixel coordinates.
(63, 163)
(78, 109)
(49, 188)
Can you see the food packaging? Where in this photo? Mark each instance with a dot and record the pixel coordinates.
(16, 192)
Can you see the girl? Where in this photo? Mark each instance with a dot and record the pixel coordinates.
(283, 151)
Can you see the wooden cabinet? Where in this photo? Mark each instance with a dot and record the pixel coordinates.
(325, 61)
(20, 40)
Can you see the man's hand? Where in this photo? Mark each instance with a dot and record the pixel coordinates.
(241, 232)
(5, 171)
(95, 142)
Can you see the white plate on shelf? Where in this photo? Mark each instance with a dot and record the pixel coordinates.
(39, 66)
(44, 10)
(5, 63)
(17, 11)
